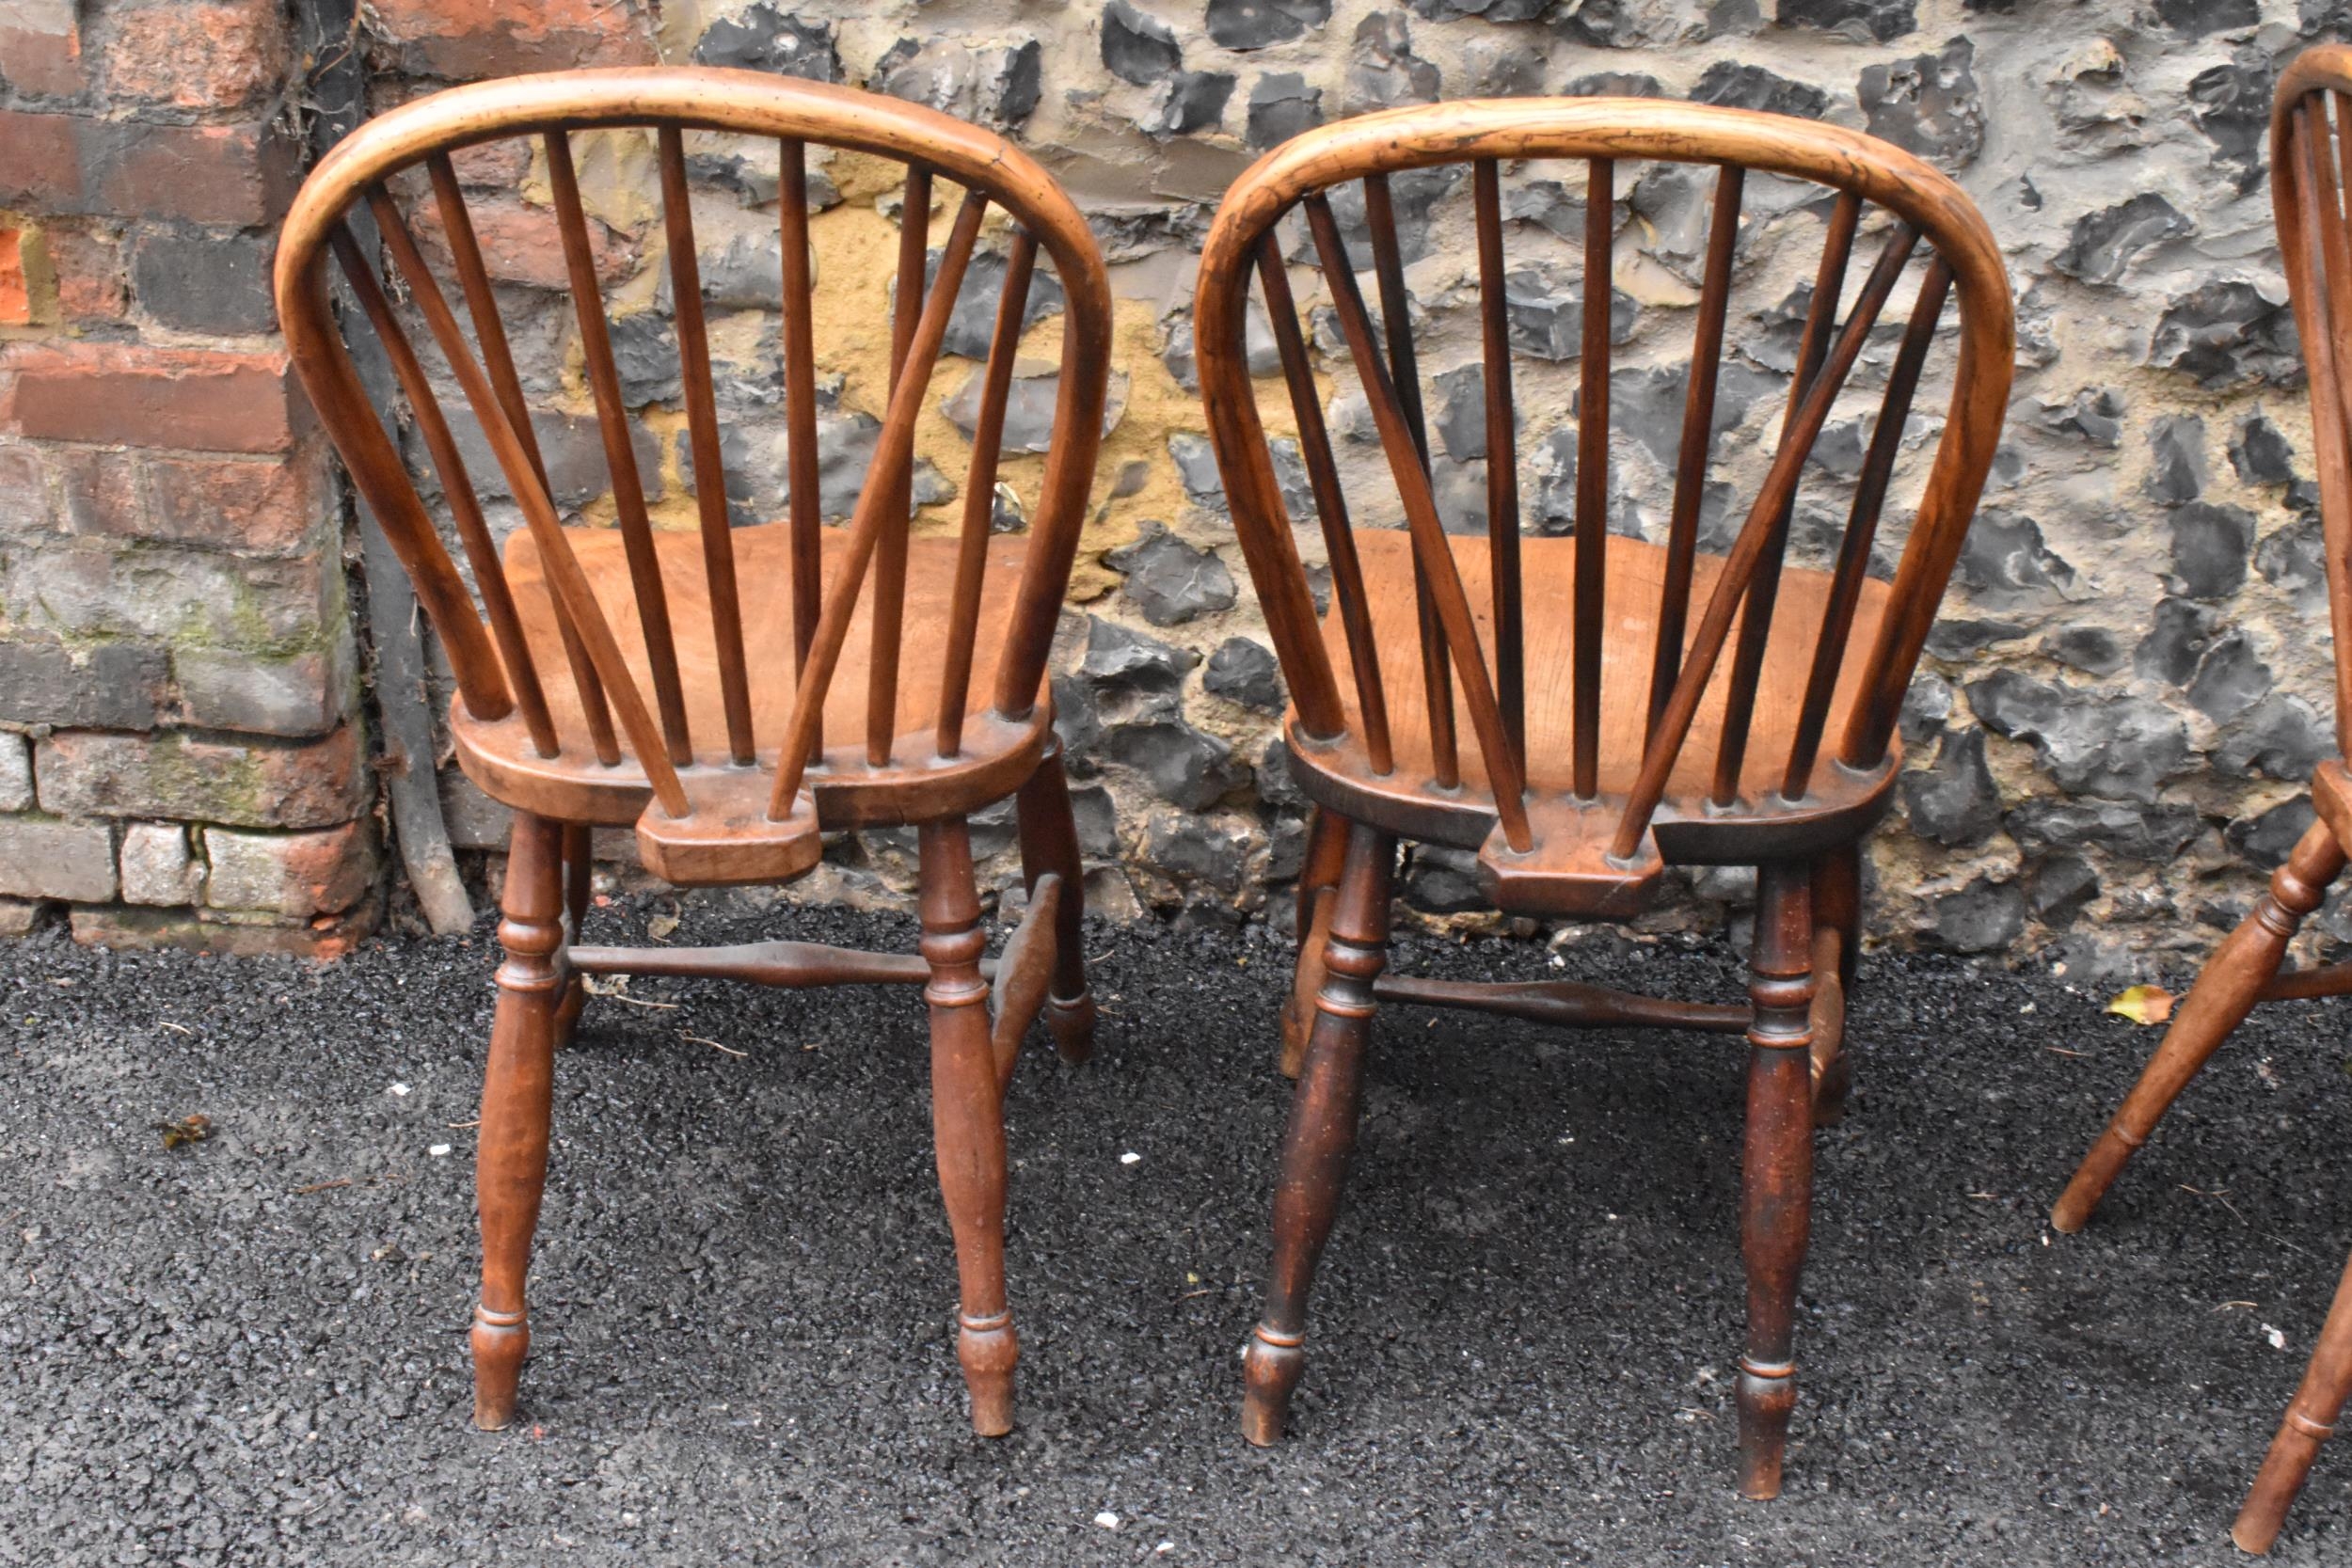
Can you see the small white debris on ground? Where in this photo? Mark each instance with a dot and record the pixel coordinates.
(1131, 1158)
(439, 1151)
(1106, 1519)
(2277, 1337)
(400, 1088)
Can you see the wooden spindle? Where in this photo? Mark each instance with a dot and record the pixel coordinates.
(1396, 320)
(620, 454)
(1458, 625)
(1323, 477)
(1854, 554)
(497, 359)
(1747, 550)
(1503, 460)
(894, 452)
(1592, 477)
(574, 599)
(701, 428)
(800, 407)
(2317, 297)
(890, 566)
(1755, 621)
(1697, 448)
(384, 483)
(464, 509)
(979, 492)
(2335, 249)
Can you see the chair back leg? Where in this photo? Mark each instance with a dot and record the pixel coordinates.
(2227, 989)
(1049, 847)
(2310, 1420)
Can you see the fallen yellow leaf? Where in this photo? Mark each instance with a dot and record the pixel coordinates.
(2144, 1004)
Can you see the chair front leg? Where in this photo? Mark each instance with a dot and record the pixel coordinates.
(2310, 1420)
(1322, 1129)
(2226, 990)
(1777, 1170)
(517, 1095)
(967, 1119)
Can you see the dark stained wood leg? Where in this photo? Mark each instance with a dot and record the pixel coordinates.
(967, 1120)
(1322, 1129)
(2226, 990)
(2310, 1420)
(1326, 849)
(1837, 945)
(517, 1093)
(1048, 845)
(578, 880)
(1776, 1171)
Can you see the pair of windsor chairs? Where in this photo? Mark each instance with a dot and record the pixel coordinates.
(621, 675)
(2311, 186)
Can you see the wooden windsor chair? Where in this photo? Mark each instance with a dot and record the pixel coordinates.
(2310, 172)
(687, 682)
(1613, 738)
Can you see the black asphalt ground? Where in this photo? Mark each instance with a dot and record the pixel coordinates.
(252, 1349)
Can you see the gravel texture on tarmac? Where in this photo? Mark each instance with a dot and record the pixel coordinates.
(252, 1349)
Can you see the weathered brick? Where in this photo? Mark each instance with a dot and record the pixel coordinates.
(522, 243)
(123, 394)
(87, 266)
(295, 696)
(206, 282)
(40, 48)
(99, 489)
(21, 917)
(293, 875)
(25, 505)
(132, 930)
(463, 40)
(264, 506)
(158, 866)
(44, 168)
(111, 686)
(41, 857)
(202, 778)
(227, 174)
(197, 55)
(16, 773)
(81, 589)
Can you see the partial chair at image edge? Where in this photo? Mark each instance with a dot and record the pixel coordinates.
(1582, 786)
(2308, 182)
(684, 683)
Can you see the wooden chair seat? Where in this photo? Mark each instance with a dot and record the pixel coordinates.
(1408, 800)
(996, 756)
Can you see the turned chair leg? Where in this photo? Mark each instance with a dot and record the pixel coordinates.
(1777, 1170)
(2227, 989)
(1326, 848)
(517, 1095)
(967, 1119)
(2310, 1420)
(1322, 1129)
(1836, 947)
(1048, 845)
(579, 880)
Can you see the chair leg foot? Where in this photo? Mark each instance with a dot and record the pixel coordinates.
(2310, 1420)
(501, 1340)
(1070, 1021)
(988, 1351)
(1270, 1371)
(1767, 1396)
(2226, 990)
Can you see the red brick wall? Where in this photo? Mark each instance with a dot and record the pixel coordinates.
(182, 757)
